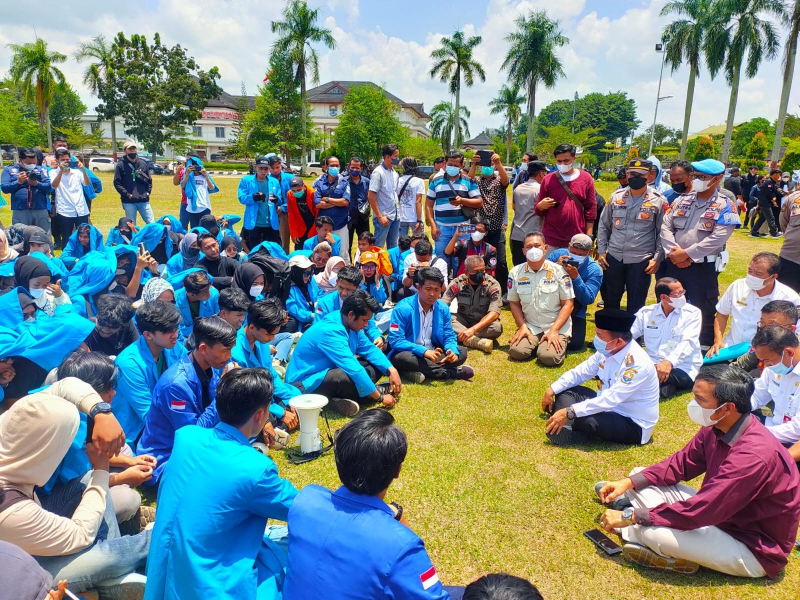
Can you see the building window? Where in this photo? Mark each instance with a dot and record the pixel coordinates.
(94, 127)
(336, 90)
(197, 131)
(220, 132)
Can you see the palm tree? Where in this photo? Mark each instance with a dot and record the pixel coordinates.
(443, 123)
(790, 51)
(452, 60)
(99, 73)
(736, 29)
(297, 32)
(684, 44)
(32, 69)
(531, 58)
(507, 103)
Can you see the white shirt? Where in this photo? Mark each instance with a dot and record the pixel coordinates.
(425, 327)
(630, 386)
(784, 423)
(70, 200)
(674, 337)
(203, 199)
(408, 201)
(383, 182)
(438, 263)
(744, 306)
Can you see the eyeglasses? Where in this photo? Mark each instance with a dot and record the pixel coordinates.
(704, 176)
(369, 267)
(308, 273)
(107, 331)
(677, 294)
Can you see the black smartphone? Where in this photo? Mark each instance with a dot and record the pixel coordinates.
(260, 196)
(572, 263)
(602, 541)
(73, 164)
(463, 229)
(486, 157)
(142, 249)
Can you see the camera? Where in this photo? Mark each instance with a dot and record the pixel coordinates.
(198, 168)
(33, 176)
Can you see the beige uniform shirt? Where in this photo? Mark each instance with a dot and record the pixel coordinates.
(540, 294)
(700, 227)
(790, 224)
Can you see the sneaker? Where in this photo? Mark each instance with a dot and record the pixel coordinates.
(776, 235)
(620, 503)
(567, 437)
(462, 372)
(667, 390)
(601, 304)
(139, 521)
(413, 376)
(127, 587)
(384, 388)
(279, 368)
(642, 555)
(296, 336)
(345, 407)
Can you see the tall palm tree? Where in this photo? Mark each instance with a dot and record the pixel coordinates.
(790, 51)
(507, 103)
(443, 123)
(452, 60)
(98, 74)
(531, 58)
(32, 69)
(684, 45)
(297, 32)
(736, 29)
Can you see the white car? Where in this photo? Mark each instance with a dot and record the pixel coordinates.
(314, 168)
(101, 164)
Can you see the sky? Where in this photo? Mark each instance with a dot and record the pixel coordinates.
(612, 47)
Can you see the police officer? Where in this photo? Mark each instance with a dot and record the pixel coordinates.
(629, 238)
(790, 251)
(480, 300)
(769, 200)
(693, 234)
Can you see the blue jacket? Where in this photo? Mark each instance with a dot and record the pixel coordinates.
(56, 266)
(175, 265)
(151, 234)
(73, 249)
(283, 189)
(312, 242)
(377, 291)
(339, 188)
(261, 356)
(397, 259)
(174, 223)
(296, 304)
(208, 308)
(19, 193)
(404, 328)
(357, 195)
(329, 535)
(248, 187)
(213, 542)
(274, 250)
(138, 376)
(177, 402)
(327, 345)
(587, 285)
(190, 189)
(114, 238)
(90, 275)
(333, 303)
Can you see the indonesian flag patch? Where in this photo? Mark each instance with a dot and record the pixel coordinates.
(179, 405)
(429, 578)
(394, 327)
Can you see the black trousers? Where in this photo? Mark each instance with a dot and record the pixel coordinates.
(607, 426)
(66, 226)
(700, 280)
(750, 206)
(790, 274)
(337, 383)
(680, 379)
(765, 214)
(578, 338)
(498, 240)
(619, 277)
(517, 255)
(357, 226)
(408, 361)
(257, 234)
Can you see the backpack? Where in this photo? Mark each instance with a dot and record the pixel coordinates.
(276, 271)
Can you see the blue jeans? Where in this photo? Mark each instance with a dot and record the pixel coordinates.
(184, 217)
(143, 208)
(283, 343)
(386, 235)
(446, 233)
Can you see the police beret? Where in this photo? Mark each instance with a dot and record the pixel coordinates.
(639, 164)
(709, 166)
(613, 319)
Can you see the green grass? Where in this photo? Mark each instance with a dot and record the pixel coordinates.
(483, 486)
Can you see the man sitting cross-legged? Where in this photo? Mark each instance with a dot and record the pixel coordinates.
(348, 281)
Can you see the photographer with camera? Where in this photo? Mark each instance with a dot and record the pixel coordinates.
(71, 206)
(422, 256)
(260, 195)
(133, 183)
(197, 184)
(29, 187)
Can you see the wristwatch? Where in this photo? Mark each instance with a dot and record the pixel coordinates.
(399, 514)
(570, 413)
(627, 514)
(100, 407)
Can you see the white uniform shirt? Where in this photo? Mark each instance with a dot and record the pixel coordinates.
(785, 391)
(630, 386)
(744, 306)
(425, 327)
(540, 294)
(675, 337)
(203, 199)
(70, 199)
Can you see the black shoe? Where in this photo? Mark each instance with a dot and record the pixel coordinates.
(345, 407)
(567, 437)
(462, 372)
(667, 390)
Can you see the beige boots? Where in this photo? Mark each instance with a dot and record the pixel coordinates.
(480, 344)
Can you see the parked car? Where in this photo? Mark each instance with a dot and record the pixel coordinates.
(512, 174)
(314, 169)
(102, 164)
(217, 157)
(425, 171)
(155, 168)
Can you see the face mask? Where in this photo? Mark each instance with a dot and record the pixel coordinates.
(396, 161)
(700, 415)
(355, 172)
(27, 167)
(534, 254)
(780, 368)
(487, 171)
(565, 168)
(30, 318)
(754, 283)
(637, 182)
(452, 171)
(477, 236)
(333, 279)
(600, 346)
(678, 302)
(679, 187)
(699, 186)
(477, 278)
(36, 293)
(523, 167)
(132, 156)
(299, 194)
(112, 285)
(168, 227)
(255, 290)
(577, 258)
(333, 171)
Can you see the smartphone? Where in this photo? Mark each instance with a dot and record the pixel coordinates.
(463, 229)
(572, 263)
(73, 163)
(142, 249)
(602, 541)
(486, 157)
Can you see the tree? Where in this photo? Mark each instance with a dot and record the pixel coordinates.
(531, 59)
(742, 135)
(563, 134)
(15, 128)
(425, 151)
(791, 127)
(99, 78)
(736, 29)
(706, 148)
(160, 88)
(791, 160)
(664, 136)
(369, 120)
(297, 32)
(66, 110)
(684, 40)
(758, 147)
(507, 103)
(789, 55)
(452, 60)
(32, 68)
(443, 123)
(239, 134)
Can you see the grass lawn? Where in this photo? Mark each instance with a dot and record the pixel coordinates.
(483, 486)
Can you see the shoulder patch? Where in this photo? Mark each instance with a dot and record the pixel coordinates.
(629, 360)
(628, 375)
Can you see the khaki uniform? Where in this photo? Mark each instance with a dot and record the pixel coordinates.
(790, 251)
(474, 303)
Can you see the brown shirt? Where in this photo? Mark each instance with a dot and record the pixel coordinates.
(474, 301)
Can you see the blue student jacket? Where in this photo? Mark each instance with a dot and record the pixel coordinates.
(327, 345)
(376, 290)
(404, 328)
(54, 264)
(396, 257)
(208, 308)
(174, 223)
(211, 542)
(114, 238)
(272, 248)
(138, 376)
(74, 250)
(296, 304)
(151, 235)
(248, 187)
(90, 275)
(177, 402)
(312, 242)
(587, 285)
(333, 303)
(352, 544)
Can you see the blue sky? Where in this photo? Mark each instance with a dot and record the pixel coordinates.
(611, 48)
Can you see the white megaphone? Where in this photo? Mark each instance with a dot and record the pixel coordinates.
(308, 407)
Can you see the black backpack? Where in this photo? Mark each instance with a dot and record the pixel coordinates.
(277, 271)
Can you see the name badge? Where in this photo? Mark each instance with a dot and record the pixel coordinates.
(644, 215)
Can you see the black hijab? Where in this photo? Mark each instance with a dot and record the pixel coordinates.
(244, 277)
(297, 281)
(27, 268)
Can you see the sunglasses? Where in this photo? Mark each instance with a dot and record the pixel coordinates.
(308, 273)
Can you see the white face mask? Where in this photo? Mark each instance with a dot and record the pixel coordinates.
(754, 283)
(699, 185)
(534, 254)
(255, 290)
(565, 168)
(477, 236)
(112, 285)
(678, 302)
(333, 278)
(702, 416)
(36, 293)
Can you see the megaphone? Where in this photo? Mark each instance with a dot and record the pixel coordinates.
(308, 407)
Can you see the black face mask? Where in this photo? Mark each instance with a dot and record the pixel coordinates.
(679, 187)
(477, 278)
(132, 156)
(637, 182)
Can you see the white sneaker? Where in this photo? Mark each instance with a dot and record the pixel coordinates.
(296, 336)
(127, 587)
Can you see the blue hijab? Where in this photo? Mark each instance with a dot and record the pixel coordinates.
(151, 235)
(191, 188)
(174, 223)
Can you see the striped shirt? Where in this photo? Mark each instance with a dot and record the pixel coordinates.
(441, 193)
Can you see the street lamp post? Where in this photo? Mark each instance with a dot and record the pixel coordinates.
(574, 102)
(663, 49)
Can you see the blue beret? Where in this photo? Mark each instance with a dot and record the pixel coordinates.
(709, 166)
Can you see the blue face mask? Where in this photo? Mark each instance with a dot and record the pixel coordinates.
(577, 258)
(355, 172)
(452, 171)
(523, 167)
(299, 193)
(780, 368)
(487, 171)
(600, 346)
(333, 171)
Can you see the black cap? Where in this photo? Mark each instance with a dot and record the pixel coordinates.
(613, 319)
(640, 164)
(296, 181)
(536, 165)
(36, 235)
(262, 161)
(622, 173)
(208, 221)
